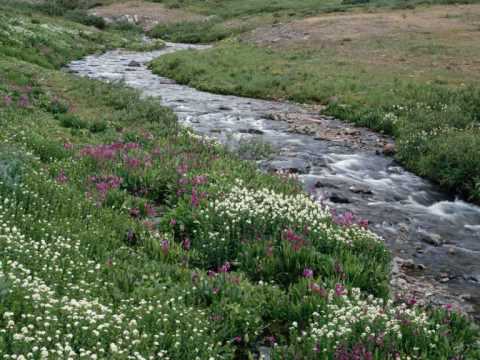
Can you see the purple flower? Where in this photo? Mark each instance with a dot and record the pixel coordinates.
(307, 273)
(199, 180)
(363, 223)
(165, 247)
(448, 307)
(317, 289)
(225, 267)
(215, 290)
(134, 212)
(195, 199)
(295, 240)
(130, 146)
(61, 177)
(7, 100)
(132, 162)
(182, 169)
(68, 146)
(237, 339)
(24, 102)
(173, 222)
(211, 273)
(186, 244)
(339, 290)
(150, 210)
(270, 340)
(183, 180)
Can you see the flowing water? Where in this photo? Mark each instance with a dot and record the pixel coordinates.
(418, 221)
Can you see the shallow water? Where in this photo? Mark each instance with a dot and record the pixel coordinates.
(417, 220)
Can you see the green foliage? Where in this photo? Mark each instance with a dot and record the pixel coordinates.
(195, 32)
(82, 17)
(72, 121)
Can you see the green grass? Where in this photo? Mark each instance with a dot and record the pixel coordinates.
(123, 234)
(52, 42)
(237, 8)
(428, 120)
(231, 17)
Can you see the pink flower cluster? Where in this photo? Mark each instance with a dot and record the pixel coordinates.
(106, 152)
(347, 219)
(295, 240)
(103, 184)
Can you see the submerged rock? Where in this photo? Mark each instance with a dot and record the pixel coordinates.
(134, 63)
(389, 149)
(338, 199)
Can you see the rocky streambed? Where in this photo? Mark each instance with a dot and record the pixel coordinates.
(434, 238)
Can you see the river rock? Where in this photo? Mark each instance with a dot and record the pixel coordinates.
(292, 166)
(360, 190)
(264, 353)
(134, 63)
(351, 132)
(432, 239)
(338, 199)
(324, 184)
(389, 149)
(251, 131)
(408, 264)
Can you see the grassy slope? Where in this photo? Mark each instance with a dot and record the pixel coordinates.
(108, 229)
(401, 83)
(227, 18)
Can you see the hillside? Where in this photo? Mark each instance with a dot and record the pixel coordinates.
(125, 235)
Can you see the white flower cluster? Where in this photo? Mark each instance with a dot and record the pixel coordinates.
(59, 306)
(266, 205)
(351, 316)
(19, 29)
(270, 210)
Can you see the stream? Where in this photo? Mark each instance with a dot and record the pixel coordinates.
(434, 238)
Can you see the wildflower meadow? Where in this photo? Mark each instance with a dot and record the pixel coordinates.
(125, 236)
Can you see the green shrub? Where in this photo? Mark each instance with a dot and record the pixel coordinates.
(72, 121)
(82, 17)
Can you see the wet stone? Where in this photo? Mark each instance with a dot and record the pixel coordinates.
(360, 190)
(323, 184)
(338, 199)
(432, 239)
(408, 264)
(134, 63)
(389, 149)
(292, 166)
(251, 131)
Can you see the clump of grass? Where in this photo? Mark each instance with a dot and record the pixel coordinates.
(82, 17)
(71, 121)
